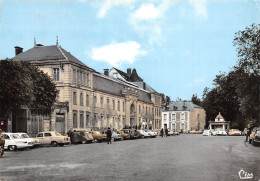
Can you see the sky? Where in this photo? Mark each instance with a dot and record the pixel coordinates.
(176, 46)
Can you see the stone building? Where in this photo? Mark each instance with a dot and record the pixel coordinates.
(87, 99)
(183, 115)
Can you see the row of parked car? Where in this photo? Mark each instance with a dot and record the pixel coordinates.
(221, 132)
(15, 141)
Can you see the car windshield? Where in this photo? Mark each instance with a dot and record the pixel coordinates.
(98, 132)
(15, 136)
(57, 134)
(24, 136)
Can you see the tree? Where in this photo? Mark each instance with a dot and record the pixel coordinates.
(24, 85)
(247, 43)
(196, 100)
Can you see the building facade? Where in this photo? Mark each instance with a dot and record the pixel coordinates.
(87, 99)
(183, 115)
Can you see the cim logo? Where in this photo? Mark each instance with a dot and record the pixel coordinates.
(245, 175)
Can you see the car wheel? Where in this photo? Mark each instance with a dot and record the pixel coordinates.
(112, 139)
(83, 142)
(54, 144)
(95, 140)
(12, 148)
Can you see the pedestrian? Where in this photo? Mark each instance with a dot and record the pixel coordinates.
(70, 134)
(2, 144)
(162, 132)
(109, 134)
(75, 137)
(166, 132)
(249, 131)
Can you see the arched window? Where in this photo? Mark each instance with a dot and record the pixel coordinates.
(132, 108)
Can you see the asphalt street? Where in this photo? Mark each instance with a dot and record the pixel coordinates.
(184, 157)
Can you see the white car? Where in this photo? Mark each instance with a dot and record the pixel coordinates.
(35, 141)
(144, 134)
(152, 133)
(221, 132)
(52, 138)
(206, 133)
(13, 141)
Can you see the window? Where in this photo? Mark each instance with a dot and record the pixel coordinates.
(56, 74)
(87, 99)
(83, 79)
(182, 116)
(87, 79)
(74, 76)
(95, 119)
(183, 126)
(165, 117)
(81, 99)
(75, 120)
(101, 101)
(113, 104)
(78, 76)
(173, 117)
(38, 135)
(75, 98)
(58, 96)
(95, 101)
(81, 119)
(174, 126)
(47, 134)
(123, 106)
(107, 102)
(87, 119)
(118, 105)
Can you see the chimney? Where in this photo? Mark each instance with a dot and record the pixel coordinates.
(144, 85)
(129, 72)
(106, 72)
(18, 50)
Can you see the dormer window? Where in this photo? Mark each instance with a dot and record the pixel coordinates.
(56, 74)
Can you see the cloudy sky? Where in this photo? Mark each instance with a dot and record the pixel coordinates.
(177, 46)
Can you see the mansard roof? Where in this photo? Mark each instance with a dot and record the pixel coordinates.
(53, 52)
(114, 86)
(181, 106)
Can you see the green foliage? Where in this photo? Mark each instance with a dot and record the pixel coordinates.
(196, 100)
(248, 48)
(237, 94)
(22, 84)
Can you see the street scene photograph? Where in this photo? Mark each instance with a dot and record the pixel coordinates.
(118, 90)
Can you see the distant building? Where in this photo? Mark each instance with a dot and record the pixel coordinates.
(219, 123)
(183, 115)
(87, 99)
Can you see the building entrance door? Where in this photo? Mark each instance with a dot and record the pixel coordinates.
(60, 123)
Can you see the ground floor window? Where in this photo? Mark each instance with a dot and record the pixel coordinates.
(182, 126)
(81, 118)
(75, 120)
(173, 126)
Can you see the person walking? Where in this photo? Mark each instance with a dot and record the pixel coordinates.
(2, 143)
(70, 134)
(162, 132)
(109, 135)
(249, 131)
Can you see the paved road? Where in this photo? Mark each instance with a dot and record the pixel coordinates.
(185, 157)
